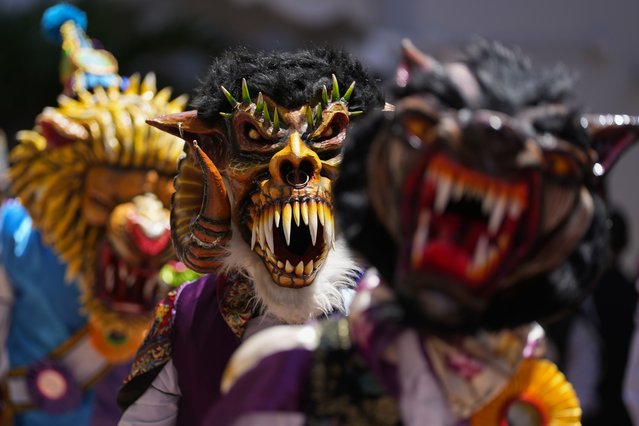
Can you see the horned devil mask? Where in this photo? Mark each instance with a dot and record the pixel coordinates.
(254, 191)
(482, 187)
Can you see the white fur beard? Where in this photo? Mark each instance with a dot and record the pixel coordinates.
(295, 305)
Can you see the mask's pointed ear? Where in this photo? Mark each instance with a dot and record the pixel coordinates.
(413, 59)
(610, 135)
(185, 125)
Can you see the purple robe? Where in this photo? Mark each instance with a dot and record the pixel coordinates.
(190, 329)
(202, 344)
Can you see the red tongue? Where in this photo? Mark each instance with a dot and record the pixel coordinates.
(126, 293)
(457, 231)
(452, 244)
(147, 245)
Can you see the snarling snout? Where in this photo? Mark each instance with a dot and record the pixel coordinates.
(137, 244)
(292, 233)
(464, 223)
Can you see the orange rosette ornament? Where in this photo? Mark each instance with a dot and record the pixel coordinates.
(116, 345)
(538, 394)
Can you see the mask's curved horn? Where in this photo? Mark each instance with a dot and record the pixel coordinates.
(611, 135)
(200, 208)
(414, 59)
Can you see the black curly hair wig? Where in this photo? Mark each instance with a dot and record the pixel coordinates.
(291, 79)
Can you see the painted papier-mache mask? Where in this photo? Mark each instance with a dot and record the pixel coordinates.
(254, 192)
(481, 188)
(476, 202)
(97, 182)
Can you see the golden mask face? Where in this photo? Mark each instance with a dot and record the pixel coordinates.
(268, 170)
(97, 182)
(106, 187)
(285, 206)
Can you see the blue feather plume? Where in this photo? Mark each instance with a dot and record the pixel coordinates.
(55, 16)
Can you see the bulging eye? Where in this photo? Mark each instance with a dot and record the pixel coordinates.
(560, 165)
(252, 133)
(337, 125)
(327, 133)
(418, 130)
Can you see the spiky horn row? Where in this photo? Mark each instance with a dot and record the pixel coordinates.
(261, 108)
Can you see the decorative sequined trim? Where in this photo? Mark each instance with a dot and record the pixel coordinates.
(156, 348)
(235, 303)
(343, 389)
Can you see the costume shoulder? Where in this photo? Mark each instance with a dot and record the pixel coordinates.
(153, 354)
(157, 348)
(274, 340)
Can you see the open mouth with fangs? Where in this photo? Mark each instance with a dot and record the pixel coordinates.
(124, 288)
(292, 236)
(465, 224)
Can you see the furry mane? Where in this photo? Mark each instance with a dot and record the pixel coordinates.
(295, 306)
(509, 82)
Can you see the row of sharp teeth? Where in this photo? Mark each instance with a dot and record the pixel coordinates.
(484, 256)
(308, 211)
(129, 279)
(300, 269)
(497, 199)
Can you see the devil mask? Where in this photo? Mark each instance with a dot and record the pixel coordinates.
(480, 188)
(97, 183)
(254, 192)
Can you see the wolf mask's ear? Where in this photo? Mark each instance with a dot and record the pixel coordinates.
(412, 60)
(610, 135)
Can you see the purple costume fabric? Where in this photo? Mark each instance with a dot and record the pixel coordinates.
(277, 384)
(202, 344)
(283, 382)
(105, 410)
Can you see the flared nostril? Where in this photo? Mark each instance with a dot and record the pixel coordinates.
(297, 176)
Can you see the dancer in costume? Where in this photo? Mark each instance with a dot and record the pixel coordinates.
(83, 241)
(474, 201)
(253, 208)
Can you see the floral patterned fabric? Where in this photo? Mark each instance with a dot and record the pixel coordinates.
(156, 348)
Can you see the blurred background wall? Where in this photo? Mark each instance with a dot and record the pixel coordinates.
(176, 39)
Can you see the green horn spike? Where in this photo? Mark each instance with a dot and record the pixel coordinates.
(226, 114)
(229, 97)
(324, 96)
(335, 91)
(318, 114)
(309, 116)
(276, 121)
(246, 97)
(259, 104)
(265, 114)
(355, 113)
(348, 93)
